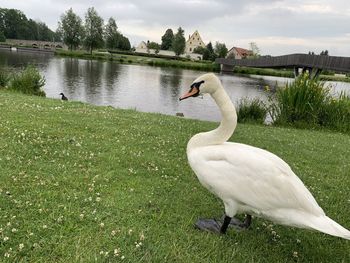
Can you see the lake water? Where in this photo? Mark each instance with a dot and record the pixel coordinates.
(144, 88)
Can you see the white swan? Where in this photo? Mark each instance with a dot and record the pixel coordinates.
(248, 179)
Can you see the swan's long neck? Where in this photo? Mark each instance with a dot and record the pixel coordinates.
(226, 127)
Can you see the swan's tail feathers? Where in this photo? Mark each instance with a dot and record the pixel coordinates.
(319, 222)
(326, 225)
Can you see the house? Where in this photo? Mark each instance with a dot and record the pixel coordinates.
(193, 41)
(238, 53)
(142, 46)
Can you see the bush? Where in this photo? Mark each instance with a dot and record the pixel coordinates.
(336, 114)
(300, 102)
(252, 111)
(28, 81)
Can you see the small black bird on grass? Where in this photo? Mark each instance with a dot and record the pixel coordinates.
(63, 97)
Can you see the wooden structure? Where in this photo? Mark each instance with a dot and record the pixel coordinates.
(312, 63)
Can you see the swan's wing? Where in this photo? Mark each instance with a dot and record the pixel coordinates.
(252, 177)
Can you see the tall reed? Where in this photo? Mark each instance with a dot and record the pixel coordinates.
(336, 113)
(299, 103)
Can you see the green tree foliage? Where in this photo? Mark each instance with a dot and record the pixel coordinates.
(209, 53)
(71, 29)
(114, 39)
(324, 53)
(167, 39)
(153, 45)
(199, 50)
(2, 37)
(15, 25)
(124, 43)
(93, 30)
(111, 34)
(220, 50)
(179, 42)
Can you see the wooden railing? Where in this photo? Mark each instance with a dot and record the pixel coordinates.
(332, 63)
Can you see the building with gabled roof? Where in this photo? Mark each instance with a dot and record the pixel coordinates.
(239, 53)
(193, 41)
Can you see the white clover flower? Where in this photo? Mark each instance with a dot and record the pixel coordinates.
(116, 252)
(14, 230)
(102, 225)
(6, 238)
(21, 246)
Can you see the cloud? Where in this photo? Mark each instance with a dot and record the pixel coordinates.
(277, 26)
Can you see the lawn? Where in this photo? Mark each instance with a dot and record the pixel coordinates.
(81, 183)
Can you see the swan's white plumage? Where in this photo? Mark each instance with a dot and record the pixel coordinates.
(252, 180)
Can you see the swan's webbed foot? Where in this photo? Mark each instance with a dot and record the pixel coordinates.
(209, 225)
(221, 226)
(238, 224)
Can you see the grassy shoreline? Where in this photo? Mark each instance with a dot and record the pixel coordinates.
(81, 183)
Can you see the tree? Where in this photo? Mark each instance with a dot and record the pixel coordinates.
(71, 29)
(220, 50)
(114, 39)
(254, 48)
(167, 40)
(14, 24)
(124, 43)
(2, 37)
(199, 50)
(93, 30)
(209, 53)
(153, 45)
(179, 42)
(111, 34)
(324, 53)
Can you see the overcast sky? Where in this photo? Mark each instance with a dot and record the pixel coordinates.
(277, 27)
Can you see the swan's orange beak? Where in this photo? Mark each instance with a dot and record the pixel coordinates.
(193, 91)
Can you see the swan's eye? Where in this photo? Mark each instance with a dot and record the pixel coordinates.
(197, 84)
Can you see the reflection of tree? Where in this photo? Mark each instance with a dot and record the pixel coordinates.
(93, 73)
(170, 80)
(112, 72)
(71, 75)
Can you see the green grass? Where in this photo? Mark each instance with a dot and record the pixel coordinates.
(79, 182)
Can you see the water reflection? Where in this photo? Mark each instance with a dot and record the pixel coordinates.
(144, 88)
(170, 82)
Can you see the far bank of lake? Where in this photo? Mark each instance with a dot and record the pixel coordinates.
(141, 87)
